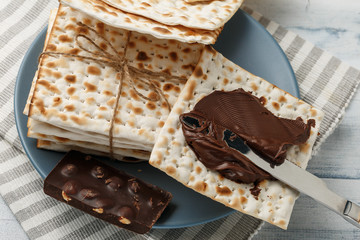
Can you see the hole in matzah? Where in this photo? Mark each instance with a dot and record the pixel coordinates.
(280, 197)
(277, 207)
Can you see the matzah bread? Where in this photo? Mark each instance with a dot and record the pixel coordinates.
(59, 147)
(43, 128)
(200, 14)
(124, 20)
(77, 94)
(50, 25)
(137, 154)
(172, 155)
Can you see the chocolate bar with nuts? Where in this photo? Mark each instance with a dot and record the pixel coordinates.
(106, 193)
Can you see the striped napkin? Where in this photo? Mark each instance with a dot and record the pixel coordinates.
(324, 82)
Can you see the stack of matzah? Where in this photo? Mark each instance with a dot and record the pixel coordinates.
(172, 155)
(83, 96)
(74, 98)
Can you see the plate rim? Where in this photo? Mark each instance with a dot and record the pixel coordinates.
(41, 171)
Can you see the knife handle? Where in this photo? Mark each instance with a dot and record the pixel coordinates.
(352, 213)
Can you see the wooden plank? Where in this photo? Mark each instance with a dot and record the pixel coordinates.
(311, 220)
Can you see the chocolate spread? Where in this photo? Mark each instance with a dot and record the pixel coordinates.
(218, 120)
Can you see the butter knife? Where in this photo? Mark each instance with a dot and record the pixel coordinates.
(306, 183)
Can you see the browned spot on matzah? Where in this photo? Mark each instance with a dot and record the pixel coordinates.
(111, 101)
(282, 223)
(188, 66)
(241, 191)
(70, 27)
(238, 79)
(226, 81)
(243, 200)
(123, 94)
(189, 91)
(102, 108)
(69, 108)
(62, 116)
(141, 56)
(117, 121)
(198, 169)
(304, 147)
(173, 56)
(161, 124)
(137, 110)
(254, 86)
(100, 27)
(90, 87)
(177, 89)
(161, 30)
(167, 87)
(131, 123)
(82, 30)
(107, 93)
(153, 95)
(57, 101)
(70, 78)
(103, 46)
(170, 170)
(65, 38)
(275, 105)
(79, 121)
(186, 50)
(93, 70)
(167, 71)
(49, 86)
(191, 178)
(200, 186)
(224, 191)
(57, 75)
(282, 99)
(74, 51)
(171, 130)
(198, 72)
(51, 47)
(313, 112)
(150, 105)
(131, 44)
(90, 100)
(38, 103)
(50, 64)
(71, 90)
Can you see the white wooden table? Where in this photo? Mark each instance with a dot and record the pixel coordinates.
(334, 26)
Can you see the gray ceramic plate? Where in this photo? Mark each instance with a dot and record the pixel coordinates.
(245, 42)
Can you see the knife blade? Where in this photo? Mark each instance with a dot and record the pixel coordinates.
(305, 182)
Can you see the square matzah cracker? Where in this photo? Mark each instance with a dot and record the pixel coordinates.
(120, 19)
(189, 13)
(79, 95)
(172, 155)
